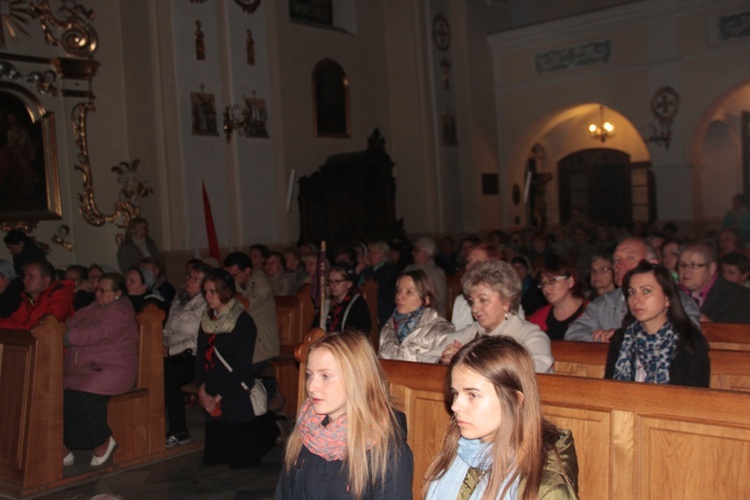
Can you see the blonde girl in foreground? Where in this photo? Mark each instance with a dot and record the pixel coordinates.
(348, 442)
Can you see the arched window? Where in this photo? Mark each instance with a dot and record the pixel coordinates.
(330, 100)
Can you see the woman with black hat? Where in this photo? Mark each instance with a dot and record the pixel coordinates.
(224, 376)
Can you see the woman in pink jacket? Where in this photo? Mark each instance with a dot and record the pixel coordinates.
(101, 360)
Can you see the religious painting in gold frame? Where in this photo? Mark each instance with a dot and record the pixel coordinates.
(29, 174)
(331, 100)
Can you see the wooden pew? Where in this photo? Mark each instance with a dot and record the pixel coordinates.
(730, 370)
(727, 336)
(294, 316)
(137, 417)
(633, 440)
(31, 388)
(369, 291)
(453, 283)
(31, 391)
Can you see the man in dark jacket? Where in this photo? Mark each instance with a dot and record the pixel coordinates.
(719, 300)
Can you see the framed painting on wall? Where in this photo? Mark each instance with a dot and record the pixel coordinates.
(203, 113)
(29, 177)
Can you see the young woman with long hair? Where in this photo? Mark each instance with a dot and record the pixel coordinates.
(348, 442)
(498, 444)
(657, 342)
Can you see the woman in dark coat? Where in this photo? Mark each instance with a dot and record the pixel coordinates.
(657, 342)
(233, 434)
(346, 308)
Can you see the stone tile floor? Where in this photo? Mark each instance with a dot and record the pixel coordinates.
(180, 477)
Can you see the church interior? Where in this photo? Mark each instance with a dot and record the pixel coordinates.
(484, 108)
(296, 121)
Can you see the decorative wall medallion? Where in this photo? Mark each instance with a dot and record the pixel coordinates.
(200, 42)
(734, 26)
(78, 38)
(12, 14)
(248, 6)
(573, 57)
(441, 32)
(203, 113)
(664, 107)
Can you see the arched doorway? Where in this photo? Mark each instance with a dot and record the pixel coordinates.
(606, 187)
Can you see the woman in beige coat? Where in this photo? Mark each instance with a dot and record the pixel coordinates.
(415, 331)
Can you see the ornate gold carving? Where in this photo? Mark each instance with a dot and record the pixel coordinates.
(43, 80)
(124, 211)
(12, 13)
(23, 225)
(79, 37)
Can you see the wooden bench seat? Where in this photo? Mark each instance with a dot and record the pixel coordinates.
(31, 389)
(730, 370)
(727, 336)
(633, 440)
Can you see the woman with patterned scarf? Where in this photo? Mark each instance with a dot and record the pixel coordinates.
(657, 342)
(346, 309)
(349, 442)
(415, 331)
(234, 435)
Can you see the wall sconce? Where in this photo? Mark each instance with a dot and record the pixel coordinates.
(604, 130)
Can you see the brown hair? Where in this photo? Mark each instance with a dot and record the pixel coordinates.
(520, 444)
(424, 285)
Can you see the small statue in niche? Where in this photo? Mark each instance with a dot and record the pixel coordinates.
(250, 43)
(61, 238)
(200, 44)
(133, 186)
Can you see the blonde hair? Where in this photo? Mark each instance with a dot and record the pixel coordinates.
(371, 440)
(520, 443)
(499, 276)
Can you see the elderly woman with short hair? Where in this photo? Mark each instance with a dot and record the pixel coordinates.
(494, 292)
(385, 274)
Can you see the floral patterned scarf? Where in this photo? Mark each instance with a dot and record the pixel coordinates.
(653, 353)
(327, 440)
(404, 324)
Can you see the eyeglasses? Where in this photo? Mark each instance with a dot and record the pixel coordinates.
(551, 281)
(335, 282)
(601, 270)
(692, 266)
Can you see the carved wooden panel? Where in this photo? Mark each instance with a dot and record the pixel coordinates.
(15, 382)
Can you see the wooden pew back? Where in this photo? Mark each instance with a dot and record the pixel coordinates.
(730, 370)
(632, 440)
(31, 387)
(453, 283)
(727, 336)
(137, 417)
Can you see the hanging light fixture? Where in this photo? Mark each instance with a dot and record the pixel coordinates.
(604, 130)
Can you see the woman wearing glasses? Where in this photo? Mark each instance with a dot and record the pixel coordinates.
(101, 360)
(657, 342)
(563, 292)
(346, 309)
(494, 292)
(601, 276)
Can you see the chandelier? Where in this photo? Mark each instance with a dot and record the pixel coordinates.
(604, 130)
